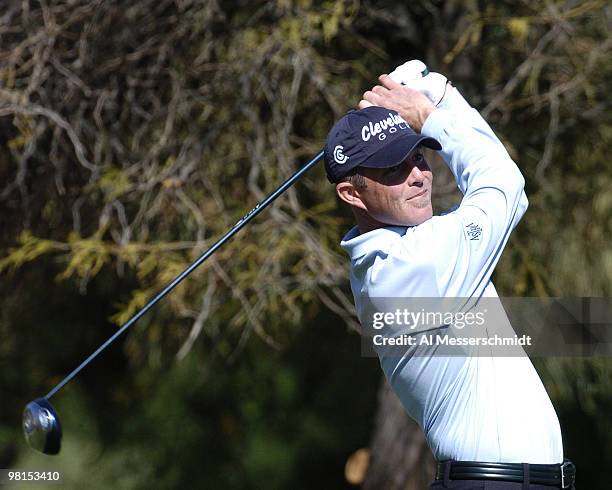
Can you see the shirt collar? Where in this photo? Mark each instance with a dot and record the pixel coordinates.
(359, 244)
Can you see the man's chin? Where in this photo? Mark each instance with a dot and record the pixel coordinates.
(419, 215)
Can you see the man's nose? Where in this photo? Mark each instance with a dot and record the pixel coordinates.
(416, 176)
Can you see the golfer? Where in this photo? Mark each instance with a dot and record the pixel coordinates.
(487, 419)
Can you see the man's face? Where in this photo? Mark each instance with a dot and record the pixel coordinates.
(399, 195)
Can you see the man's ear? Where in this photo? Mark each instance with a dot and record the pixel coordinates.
(350, 195)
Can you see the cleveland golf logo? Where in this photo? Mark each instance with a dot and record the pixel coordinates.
(339, 156)
(392, 123)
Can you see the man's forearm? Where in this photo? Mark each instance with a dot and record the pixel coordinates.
(455, 102)
(472, 151)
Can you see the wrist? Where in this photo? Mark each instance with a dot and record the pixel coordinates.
(426, 112)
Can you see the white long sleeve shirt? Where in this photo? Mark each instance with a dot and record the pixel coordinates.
(474, 407)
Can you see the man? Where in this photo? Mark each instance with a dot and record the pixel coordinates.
(487, 419)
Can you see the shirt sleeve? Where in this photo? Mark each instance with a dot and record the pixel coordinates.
(467, 243)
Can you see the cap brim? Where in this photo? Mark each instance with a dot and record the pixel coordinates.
(397, 151)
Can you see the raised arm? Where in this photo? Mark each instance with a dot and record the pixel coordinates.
(469, 241)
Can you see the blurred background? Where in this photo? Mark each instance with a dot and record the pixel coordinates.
(133, 134)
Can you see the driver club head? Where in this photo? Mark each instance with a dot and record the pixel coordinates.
(41, 426)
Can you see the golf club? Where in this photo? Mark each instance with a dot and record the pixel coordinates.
(41, 425)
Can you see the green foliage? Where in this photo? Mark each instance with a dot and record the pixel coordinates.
(30, 248)
(113, 183)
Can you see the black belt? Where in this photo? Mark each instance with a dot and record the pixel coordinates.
(559, 475)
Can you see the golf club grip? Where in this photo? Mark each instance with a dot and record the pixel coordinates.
(235, 229)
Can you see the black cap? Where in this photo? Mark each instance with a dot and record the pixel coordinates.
(373, 137)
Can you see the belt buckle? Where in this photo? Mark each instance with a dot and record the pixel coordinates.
(564, 465)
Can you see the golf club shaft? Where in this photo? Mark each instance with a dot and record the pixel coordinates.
(235, 229)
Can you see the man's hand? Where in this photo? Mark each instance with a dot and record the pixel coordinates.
(416, 75)
(412, 105)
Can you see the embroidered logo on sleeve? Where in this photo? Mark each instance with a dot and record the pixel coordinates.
(474, 231)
